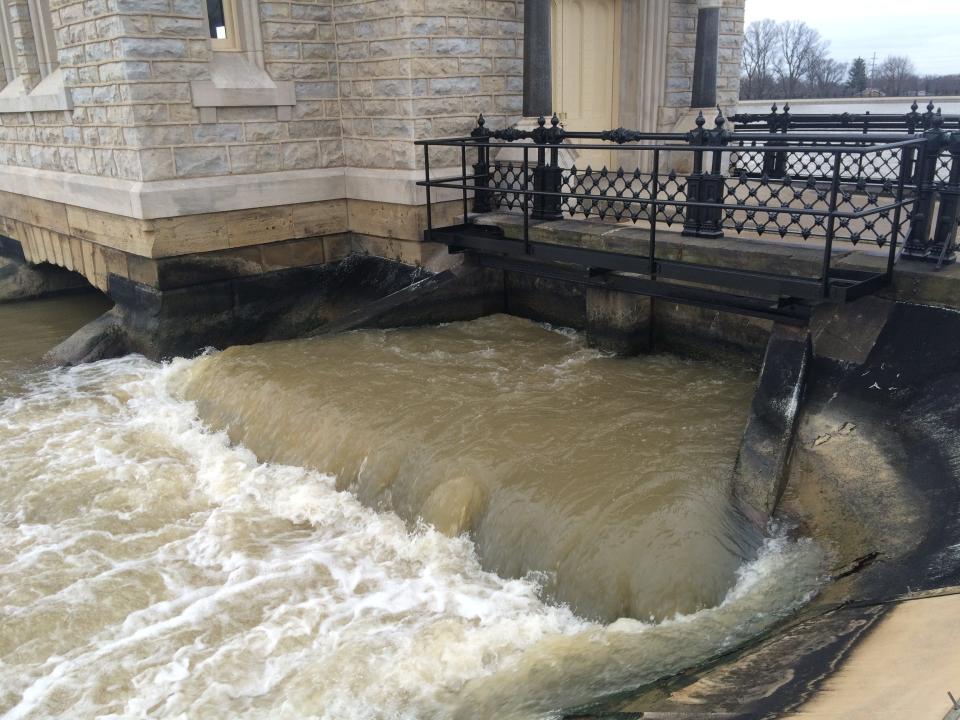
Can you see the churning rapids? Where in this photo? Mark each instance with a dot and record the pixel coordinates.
(256, 533)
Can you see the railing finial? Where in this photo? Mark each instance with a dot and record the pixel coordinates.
(555, 133)
(701, 120)
(480, 131)
(913, 118)
(719, 120)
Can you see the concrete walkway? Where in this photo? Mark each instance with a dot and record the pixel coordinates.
(914, 282)
(902, 670)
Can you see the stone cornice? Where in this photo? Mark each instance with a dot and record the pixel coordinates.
(194, 196)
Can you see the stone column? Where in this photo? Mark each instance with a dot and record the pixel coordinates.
(705, 58)
(537, 63)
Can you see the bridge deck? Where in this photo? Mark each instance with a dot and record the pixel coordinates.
(760, 277)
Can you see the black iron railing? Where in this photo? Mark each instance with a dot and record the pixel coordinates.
(930, 172)
(835, 179)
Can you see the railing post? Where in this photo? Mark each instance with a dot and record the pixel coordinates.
(691, 214)
(908, 154)
(775, 163)
(481, 168)
(945, 232)
(912, 118)
(780, 165)
(918, 245)
(770, 158)
(926, 120)
(546, 175)
(706, 187)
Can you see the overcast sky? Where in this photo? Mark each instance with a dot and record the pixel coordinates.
(926, 31)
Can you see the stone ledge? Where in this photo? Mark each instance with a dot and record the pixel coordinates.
(49, 95)
(195, 196)
(234, 82)
(96, 262)
(50, 230)
(914, 282)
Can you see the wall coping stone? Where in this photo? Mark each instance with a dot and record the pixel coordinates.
(194, 196)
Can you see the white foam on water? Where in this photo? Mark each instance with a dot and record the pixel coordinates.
(150, 569)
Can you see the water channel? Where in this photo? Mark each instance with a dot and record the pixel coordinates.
(483, 519)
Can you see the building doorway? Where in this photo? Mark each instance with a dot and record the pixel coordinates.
(585, 41)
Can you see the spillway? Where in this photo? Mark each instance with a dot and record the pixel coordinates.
(482, 519)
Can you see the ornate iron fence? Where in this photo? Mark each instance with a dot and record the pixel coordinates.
(893, 181)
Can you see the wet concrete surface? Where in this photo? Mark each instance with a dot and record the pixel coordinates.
(904, 668)
(875, 477)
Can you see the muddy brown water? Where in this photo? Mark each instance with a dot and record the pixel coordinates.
(30, 329)
(482, 519)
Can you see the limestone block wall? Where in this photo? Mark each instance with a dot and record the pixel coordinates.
(369, 78)
(119, 66)
(128, 67)
(413, 69)
(299, 46)
(681, 47)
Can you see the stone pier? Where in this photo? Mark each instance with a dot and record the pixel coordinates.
(619, 322)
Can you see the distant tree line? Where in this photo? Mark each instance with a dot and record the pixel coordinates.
(790, 59)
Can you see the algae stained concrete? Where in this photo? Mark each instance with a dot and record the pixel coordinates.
(875, 478)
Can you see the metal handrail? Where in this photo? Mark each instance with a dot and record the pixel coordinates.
(769, 194)
(834, 141)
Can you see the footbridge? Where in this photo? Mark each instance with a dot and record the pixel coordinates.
(762, 215)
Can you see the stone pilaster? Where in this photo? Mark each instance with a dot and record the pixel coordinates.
(706, 59)
(537, 61)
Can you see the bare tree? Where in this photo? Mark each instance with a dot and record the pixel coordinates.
(759, 58)
(896, 75)
(825, 76)
(790, 59)
(798, 44)
(941, 84)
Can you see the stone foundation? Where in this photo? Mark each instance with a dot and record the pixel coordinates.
(20, 280)
(216, 279)
(98, 244)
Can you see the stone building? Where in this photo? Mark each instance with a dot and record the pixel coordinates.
(158, 145)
